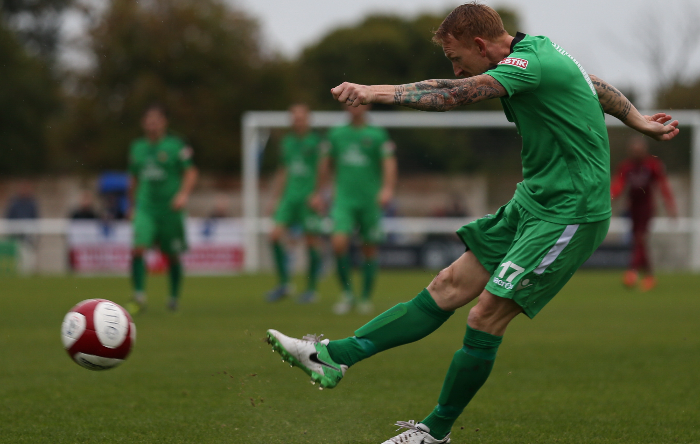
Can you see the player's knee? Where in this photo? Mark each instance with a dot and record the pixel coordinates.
(340, 244)
(444, 286)
(313, 243)
(492, 314)
(479, 316)
(276, 234)
(369, 251)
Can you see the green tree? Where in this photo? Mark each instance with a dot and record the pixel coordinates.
(382, 49)
(202, 59)
(680, 96)
(36, 23)
(394, 50)
(29, 97)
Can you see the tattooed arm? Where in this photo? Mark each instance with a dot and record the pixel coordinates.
(428, 95)
(617, 105)
(443, 95)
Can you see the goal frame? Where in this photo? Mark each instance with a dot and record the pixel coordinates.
(256, 126)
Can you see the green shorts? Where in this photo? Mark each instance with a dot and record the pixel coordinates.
(298, 212)
(164, 228)
(529, 259)
(365, 216)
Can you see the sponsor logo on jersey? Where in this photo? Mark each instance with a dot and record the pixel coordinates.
(299, 168)
(152, 172)
(514, 61)
(354, 156)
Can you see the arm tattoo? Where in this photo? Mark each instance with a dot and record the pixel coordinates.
(444, 95)
(398, 92)
(612, 100)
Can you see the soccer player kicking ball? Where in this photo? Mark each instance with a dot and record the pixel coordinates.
(365, 178)
(519, 258)
(161, 179)
(642, 172)
(297, 179)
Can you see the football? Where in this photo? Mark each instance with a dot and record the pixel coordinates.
(98, 334)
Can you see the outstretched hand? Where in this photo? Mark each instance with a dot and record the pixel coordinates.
(657, 128)
(353, 94)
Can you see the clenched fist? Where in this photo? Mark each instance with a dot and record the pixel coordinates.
(353, 94)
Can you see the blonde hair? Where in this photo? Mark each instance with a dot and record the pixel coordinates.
(468, 21)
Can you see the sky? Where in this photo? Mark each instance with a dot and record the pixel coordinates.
(605, 36)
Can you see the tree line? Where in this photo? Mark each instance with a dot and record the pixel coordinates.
(204, 61)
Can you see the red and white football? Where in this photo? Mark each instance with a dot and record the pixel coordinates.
(98, 334)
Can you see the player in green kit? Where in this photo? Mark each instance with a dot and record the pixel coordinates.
(295, 181)
(518, 259)
(365, 177)
(162, 177)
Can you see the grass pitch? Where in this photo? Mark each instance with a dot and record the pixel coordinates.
(600, 364)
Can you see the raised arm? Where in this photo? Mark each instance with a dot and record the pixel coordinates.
(617, 105)
(428, 95)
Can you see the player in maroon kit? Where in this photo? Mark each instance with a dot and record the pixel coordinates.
(641, 173)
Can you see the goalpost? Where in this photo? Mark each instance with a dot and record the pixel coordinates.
(256, 126)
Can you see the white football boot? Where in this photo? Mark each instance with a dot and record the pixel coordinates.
(416, 434)
(365, 308)
(345, 304)
(309, 354)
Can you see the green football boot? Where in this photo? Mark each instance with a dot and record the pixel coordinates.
(309, 354)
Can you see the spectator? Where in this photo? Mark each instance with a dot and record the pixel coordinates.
(86, 207)
(23, 204)
(220, 209)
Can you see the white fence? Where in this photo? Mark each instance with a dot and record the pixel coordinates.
(48, 241)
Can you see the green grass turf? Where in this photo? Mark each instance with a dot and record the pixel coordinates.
(599, 365)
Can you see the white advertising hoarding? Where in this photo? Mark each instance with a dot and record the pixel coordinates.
(215, 246)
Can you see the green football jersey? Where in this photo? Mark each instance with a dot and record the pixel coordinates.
(358, 154)
(158, 168)
(300, 157)
(565, 154)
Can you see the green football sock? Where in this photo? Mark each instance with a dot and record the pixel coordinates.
(175, 276)
(281, 262)
(344, 270)
(314, 267)
(138, 274)
(468, 371)
(369, 270)
(404, 323)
